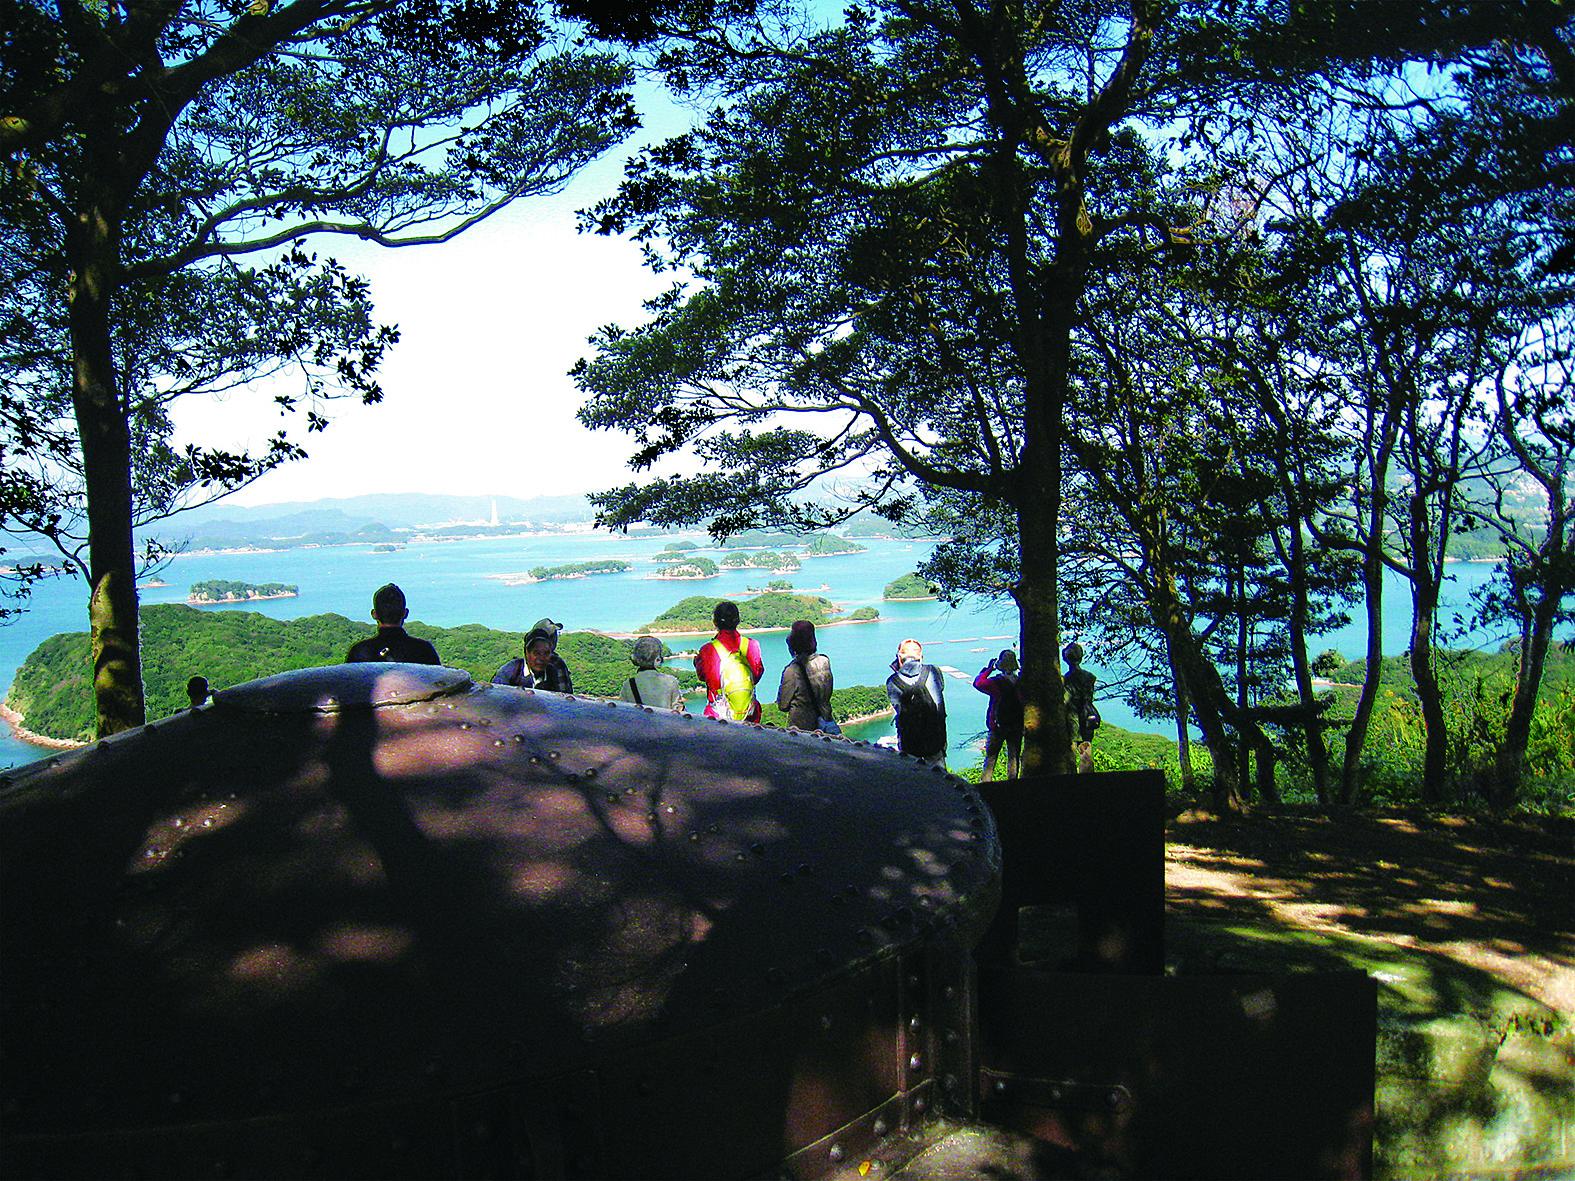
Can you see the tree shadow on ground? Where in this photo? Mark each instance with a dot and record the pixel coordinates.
(1467, 924)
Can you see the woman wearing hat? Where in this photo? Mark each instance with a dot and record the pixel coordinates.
(649, 685)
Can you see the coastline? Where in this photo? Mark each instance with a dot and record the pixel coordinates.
(19, 728)
(190, 602)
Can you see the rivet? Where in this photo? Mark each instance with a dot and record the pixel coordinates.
(590, 772)
(180, 822)
(207, 822)
(952, 1037)
(740, 857)
(919, 1104)
(758, 849)
(803, 869)
(1000, 1086)
(1055, 1094)
(464, 726)
(913, 980)
(881, 1127)
(950, 1082)
(497, 742)
(520, 738)
(915, 1063)
(651, 816)
(713, 828)
(914, 1023)
(825, 1023)
(836, 1152)
(628, 791)
(694, 836)
(670, 809)
(535, 759)
(1112, 1099)
(612, 797)
(552, 754)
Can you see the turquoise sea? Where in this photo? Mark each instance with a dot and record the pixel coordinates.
(452, 582)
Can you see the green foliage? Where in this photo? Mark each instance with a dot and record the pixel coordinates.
(53, 688)
(679, 547)
(224, 590)
(773, 609)
(864, 613)
(827, 545)
(579, 569)
(779, 584)
(910, 586)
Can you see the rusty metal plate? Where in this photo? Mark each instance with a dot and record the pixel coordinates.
(265, 909)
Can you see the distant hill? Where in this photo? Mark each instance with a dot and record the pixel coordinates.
(53, 689)
(376, 519)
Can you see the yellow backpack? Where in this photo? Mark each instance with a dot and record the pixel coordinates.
(737, 696)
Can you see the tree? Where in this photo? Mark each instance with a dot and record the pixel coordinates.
(891, 226)
(145, 140)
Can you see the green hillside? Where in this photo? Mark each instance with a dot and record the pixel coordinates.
(53, 688)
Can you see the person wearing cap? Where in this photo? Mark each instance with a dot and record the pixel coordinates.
(1082, 716)
(918, 696)
(649, 685)
(805, 692)
(1003, 722)
(541, 667)
(392, 642)
(731, 666)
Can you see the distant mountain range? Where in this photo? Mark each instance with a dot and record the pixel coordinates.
(382, 517)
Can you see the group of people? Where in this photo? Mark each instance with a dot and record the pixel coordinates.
(730, 666)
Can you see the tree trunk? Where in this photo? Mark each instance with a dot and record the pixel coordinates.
(1183, 728)
(1047, 740)
(1509, 763)
(1424, 611)
(1202, 684)
(93, 251)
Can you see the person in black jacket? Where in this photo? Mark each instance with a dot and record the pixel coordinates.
(391, 642)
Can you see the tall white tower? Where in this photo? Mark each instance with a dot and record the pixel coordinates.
(494, 510)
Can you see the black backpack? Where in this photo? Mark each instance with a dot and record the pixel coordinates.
(921, 728)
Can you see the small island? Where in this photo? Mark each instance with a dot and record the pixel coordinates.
(830, 545)
(772, 610)
(222, 590)
(909, 588)
(578, 569)
(762, 560)
(689, 568)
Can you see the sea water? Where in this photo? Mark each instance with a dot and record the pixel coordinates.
(449, 583)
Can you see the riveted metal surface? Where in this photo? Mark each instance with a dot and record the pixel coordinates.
(343, 686)
(285, 904)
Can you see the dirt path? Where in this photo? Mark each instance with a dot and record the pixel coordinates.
(1474, 902)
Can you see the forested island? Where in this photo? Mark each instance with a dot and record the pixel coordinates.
(773, 609)
(761, 560)
(688, 568)
(223, 590)
(909, 587)
(829, 545)
(578, 569)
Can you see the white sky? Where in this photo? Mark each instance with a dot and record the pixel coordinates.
(477, 400)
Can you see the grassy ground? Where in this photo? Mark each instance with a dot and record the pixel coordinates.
(1467, 924)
